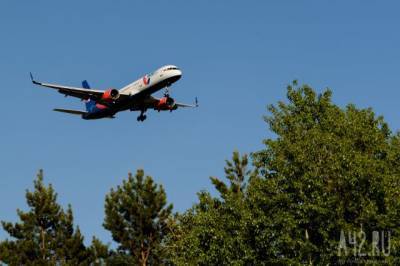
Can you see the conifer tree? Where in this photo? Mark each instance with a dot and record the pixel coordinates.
(136, 214)
(99, 253)
(236, 171)
(45, 235)
(214, 231)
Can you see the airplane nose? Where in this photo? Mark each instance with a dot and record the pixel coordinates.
(178, 74)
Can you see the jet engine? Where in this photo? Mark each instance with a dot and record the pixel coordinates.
(110, 95)
(165, 103)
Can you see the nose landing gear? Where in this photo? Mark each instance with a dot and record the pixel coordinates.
(166, 91)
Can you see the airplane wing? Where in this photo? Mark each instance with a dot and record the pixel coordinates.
(187, 105)
(80, 93)
(74, 112)
(196, 104)
(68, 111)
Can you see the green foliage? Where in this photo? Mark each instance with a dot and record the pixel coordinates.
(137, 216)
(99, 253)
(236, 172)
(45, 235)
(213, 232)
(121, 259)
(328, 170)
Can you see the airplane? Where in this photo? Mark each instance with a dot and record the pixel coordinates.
(136, 96)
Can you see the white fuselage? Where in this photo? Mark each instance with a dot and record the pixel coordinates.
(160, 78)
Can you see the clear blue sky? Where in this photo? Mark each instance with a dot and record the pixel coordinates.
(236, 56)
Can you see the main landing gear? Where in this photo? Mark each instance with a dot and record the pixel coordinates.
(142, 116)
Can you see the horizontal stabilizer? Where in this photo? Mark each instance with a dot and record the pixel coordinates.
(74, 112)
(196, 104)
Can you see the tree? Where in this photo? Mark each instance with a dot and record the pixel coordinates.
(214, 232)
(329, 170)
(45, 235)
(137, 216)
(99, 253)
(236, 172)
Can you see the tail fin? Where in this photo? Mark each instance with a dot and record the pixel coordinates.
(90, 105)
(85, 84)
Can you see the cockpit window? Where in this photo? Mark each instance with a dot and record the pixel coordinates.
(171, 68)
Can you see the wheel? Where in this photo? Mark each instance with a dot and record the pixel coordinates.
(141, 118)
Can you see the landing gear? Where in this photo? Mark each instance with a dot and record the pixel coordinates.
(142, 116)
(166, 91)
(170, 101)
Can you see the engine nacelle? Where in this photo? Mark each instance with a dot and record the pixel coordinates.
(110, 95)
(165, 103)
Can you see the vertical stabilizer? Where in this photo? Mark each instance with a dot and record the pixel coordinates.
(85, 84)
(90, 105)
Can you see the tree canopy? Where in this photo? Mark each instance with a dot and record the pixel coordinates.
(45, 235)
(329, 171)
(137, 216)
(213, 231)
